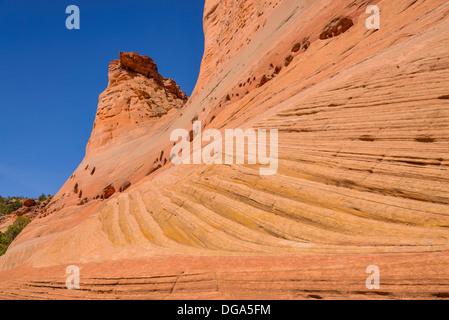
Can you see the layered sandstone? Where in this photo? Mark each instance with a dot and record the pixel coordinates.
(363, 165)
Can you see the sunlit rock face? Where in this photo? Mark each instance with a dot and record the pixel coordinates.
(136, 95)
(363, 164)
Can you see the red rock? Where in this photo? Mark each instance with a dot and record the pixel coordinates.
(141, 64)
(29, 203)
(125, 186)
(108, 192)
(288, 60)
(22, 211)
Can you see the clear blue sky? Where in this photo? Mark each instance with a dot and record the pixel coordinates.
(51, 77)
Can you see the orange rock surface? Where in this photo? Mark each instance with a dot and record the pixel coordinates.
(363, 166)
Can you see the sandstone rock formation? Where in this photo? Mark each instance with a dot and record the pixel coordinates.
(29, 203)
(30, 209)
(363, 165)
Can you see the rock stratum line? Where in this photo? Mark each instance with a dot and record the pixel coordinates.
(363, 166)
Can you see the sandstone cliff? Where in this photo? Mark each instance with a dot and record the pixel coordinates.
(363, 165)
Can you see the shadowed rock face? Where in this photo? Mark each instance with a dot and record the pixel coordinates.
(363, 165)
(136, 104)
(136, 95)
(29, 203)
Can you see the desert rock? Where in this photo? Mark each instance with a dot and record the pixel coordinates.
(363, 165)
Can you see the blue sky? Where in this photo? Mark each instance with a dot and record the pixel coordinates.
(51, 77)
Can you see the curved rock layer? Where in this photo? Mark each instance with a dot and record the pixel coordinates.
(363, 166)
